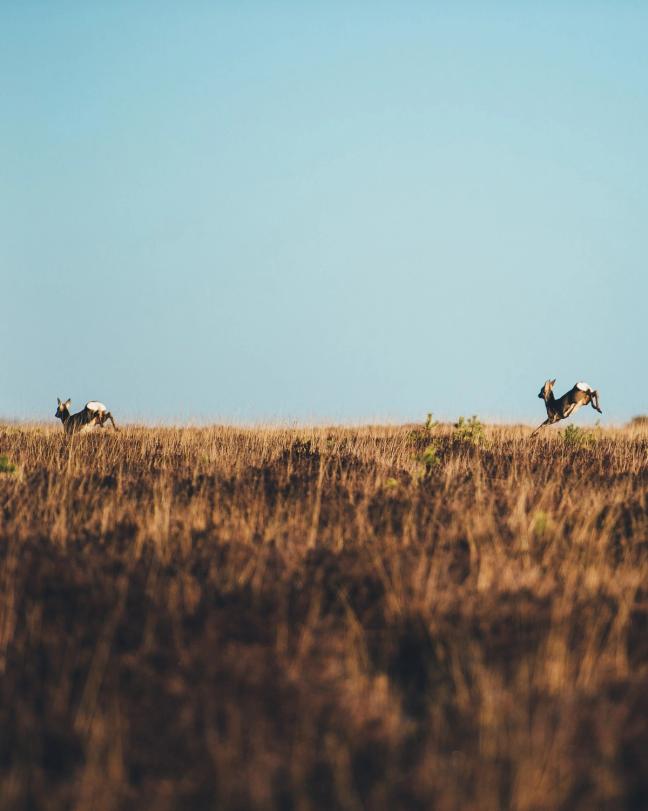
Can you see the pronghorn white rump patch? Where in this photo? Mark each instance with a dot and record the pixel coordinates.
(95, 405)
(584, 386)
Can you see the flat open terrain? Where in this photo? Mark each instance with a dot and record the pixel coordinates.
(370, 618)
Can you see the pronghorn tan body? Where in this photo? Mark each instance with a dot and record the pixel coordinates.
(581, 394)
(93, 414)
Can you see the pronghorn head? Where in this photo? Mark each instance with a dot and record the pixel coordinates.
(545, 391)
(63, 409)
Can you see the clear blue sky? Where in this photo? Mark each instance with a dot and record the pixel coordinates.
(338, 211)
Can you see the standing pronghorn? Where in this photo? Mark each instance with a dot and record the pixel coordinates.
(94, 413)
(580, 395)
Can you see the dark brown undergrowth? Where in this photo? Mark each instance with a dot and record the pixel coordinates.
(299, 619)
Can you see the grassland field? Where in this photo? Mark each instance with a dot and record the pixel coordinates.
(322, 618)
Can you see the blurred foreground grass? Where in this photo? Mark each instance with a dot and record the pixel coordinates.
(368, 618)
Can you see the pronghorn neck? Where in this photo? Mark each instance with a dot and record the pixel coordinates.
(552, 405)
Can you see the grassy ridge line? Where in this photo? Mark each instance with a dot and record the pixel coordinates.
(322, 618)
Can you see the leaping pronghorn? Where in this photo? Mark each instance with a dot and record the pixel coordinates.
(580, 395)
(94, 413)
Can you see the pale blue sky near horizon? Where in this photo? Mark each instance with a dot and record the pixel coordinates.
(329, 211)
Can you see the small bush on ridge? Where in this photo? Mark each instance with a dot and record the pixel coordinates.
(470, 431)
(575, 437)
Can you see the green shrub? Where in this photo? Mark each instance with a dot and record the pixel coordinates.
(575, 437)
(470, 431)
(426, 431)
(427, 460)
(429, 456)
(6, 466)
(430, 424)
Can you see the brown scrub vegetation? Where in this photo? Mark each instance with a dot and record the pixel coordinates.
(323, 618)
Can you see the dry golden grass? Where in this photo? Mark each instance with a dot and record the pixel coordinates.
(304, 619)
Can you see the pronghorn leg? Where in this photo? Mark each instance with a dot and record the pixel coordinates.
(548, 421)
(595, 401)
(109, 416)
